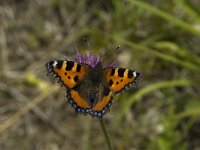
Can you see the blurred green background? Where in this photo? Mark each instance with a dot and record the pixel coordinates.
(161, 39)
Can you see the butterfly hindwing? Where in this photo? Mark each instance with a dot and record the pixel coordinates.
(77, 101)
(120, 79)
(80, 104)
(105, 100)
(68, 73)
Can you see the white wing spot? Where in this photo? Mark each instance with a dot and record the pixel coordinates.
(134, 74)
(55, 63)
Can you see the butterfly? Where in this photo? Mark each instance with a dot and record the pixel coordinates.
(89, 85)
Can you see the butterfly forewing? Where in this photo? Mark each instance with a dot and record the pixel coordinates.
(68, 72)
(120, 79)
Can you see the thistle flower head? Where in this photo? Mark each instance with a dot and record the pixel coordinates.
(91, 59)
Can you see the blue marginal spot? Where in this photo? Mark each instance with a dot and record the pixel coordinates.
(78, 109)
(74, 105)
(99, 114)
(70, 101)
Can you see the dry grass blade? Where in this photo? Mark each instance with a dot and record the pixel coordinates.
(10, 121)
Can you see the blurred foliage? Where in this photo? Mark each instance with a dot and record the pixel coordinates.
(161, 39)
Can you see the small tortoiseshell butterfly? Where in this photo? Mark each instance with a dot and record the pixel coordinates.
(90, 86)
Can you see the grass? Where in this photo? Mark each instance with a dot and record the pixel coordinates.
(168, 17)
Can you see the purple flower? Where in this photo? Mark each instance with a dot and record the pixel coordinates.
(92, 60)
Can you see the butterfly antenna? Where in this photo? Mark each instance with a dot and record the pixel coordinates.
(77, 52)
(88, 45)
(114, 62)
(115, 53)
(118, 47)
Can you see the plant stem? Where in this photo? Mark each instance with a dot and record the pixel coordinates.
(105, 132)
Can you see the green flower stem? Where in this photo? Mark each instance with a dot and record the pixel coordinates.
(105, 132)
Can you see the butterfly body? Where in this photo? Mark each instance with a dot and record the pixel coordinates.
(90, 88)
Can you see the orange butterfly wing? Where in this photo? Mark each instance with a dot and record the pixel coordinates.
(80, 104)
(68, 73)
(120, 79)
